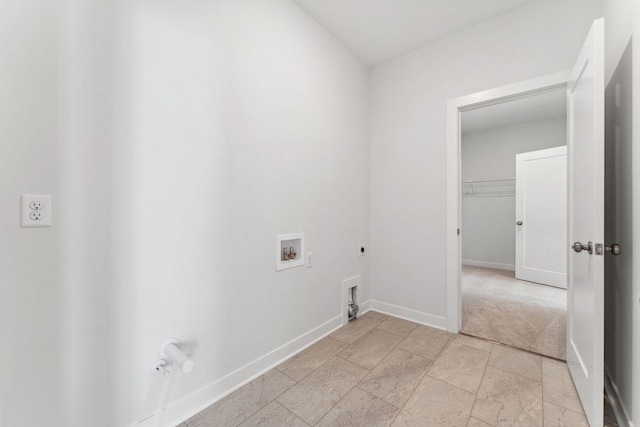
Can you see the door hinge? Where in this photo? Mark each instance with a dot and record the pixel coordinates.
(458, 231)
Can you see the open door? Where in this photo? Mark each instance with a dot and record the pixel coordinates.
(585, 298)
(541, 216)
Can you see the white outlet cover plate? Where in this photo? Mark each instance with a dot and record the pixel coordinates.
(45, 218)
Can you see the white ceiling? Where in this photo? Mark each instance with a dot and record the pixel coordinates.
(542, 106)
(378, 30)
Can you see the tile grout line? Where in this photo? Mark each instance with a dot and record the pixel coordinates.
(319, 366)
(314, 370)
(426, 372)
(295, 415)
(381, 360)
(542, 377)
(515, 373)
(557, 403)
(345, 395)
(336, 355)
(475, 399)
(399, 335)
(470, 346)
(412, 393)
(512, 346)
(275, 399)
(368, 372)
(519, 375)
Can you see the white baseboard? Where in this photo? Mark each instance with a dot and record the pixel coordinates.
(183, 409)
(485, 264)
(409, 314)
(619, 410)
(365, 306)
(190, 405)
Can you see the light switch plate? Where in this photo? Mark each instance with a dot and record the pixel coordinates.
(36, 210)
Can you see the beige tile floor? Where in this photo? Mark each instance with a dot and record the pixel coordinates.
(383, 371)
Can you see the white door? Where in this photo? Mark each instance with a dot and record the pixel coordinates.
(585, 307)
(541, 216)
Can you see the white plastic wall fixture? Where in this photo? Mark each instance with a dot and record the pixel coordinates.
(290, 240)
(170, 350)
(160, 366)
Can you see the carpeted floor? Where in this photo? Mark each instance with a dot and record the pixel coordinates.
(522, 314)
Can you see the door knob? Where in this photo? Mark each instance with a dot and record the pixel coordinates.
(518, 222)
(614, 249)
(579, 247)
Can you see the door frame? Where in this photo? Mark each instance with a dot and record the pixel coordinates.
(454, 109)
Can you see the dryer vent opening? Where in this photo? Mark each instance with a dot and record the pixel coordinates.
(352, 302)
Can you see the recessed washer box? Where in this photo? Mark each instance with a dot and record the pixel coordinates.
(289, 251)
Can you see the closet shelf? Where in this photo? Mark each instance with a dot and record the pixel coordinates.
(489, 188)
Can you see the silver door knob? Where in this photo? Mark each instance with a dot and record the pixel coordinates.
(518, 222)
(614, 249)
(579, 247)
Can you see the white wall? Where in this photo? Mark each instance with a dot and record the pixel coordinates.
(191, 134)
(92, 209)
(408, 134)
(247, 121)
(622, 215)
(488, 230)
(30, 306)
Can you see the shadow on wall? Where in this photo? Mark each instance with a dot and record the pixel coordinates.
(619, 229)
(91, 211)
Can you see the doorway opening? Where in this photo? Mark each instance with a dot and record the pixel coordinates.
(455, 110)
(585, 140)
(514, 222)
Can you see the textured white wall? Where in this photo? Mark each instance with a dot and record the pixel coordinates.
(190, 134)
(488, 230)
(247, 120)
(30, 302)
(408, 134)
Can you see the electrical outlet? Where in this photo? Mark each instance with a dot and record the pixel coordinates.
(36, 210)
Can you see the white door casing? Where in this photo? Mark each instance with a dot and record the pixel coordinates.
(454, 108)
(585, 297)
(541, 216)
